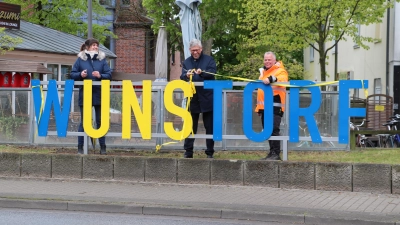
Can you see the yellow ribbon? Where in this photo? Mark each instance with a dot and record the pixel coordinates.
(41, 107)
(288, 85)
(275, 84)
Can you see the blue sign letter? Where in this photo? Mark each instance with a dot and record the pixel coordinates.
(344, 110)
(248, 112)
(43, 114)
(217, 86)
(307, 113)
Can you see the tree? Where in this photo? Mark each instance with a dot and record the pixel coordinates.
(222, 37)
(218, 33)
(293, 25)
(64, 15)
(7, 43)
(233, 54)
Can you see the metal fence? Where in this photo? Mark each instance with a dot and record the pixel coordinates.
(16, 106)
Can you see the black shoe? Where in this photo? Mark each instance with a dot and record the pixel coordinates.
(187, 156)
(210, 157)
(80, 149)
(268, 156)
(274, 157)
(103, 150)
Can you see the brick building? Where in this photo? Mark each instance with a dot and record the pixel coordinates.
(135, 46)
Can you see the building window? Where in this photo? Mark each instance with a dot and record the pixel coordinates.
(377, 86)
(107, 42)
(105, 2)
(125, 2)
(311, 54)
(152, 46)
(65, 69)
(357, 35)
(54, 74)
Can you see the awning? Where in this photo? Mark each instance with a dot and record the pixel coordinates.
(23, 66)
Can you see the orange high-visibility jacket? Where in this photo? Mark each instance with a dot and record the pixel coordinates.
(281, 76)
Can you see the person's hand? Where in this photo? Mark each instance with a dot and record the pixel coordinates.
(96, 74)
(189, 73)
(84, 73)
(266, 81)
(198, 71)
(278, 64)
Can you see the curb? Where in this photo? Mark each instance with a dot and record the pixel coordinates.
(297, 218)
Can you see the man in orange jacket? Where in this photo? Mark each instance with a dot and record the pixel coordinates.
(272, 72)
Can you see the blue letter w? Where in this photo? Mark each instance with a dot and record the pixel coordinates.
(43, 114)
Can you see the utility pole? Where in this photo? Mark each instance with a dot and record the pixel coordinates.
(89, 12)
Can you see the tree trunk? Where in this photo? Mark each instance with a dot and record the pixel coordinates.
(322, 61)
(207, 44)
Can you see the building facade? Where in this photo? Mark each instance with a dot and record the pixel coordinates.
(380, 64)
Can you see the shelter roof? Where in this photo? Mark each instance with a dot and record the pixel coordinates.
(44, 39)
(23, 66)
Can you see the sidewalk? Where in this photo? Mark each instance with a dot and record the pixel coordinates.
(234, 202)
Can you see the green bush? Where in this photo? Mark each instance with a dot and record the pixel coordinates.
(9, 125)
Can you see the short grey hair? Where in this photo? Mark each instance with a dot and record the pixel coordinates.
(270, 53)
(195, 42)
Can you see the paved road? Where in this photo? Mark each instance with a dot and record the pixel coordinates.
(208, 201)
(52, 217)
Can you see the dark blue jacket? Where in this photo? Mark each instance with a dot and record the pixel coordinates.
(202, 101)
(99, 63)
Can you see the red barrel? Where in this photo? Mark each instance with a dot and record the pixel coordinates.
(7, 77)
(25, 80)
(15, 80)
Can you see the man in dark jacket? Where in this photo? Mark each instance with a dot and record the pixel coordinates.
(91, 64)
(196, 67)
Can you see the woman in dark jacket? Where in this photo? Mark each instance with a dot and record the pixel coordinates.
(195, 66)
(91, 64)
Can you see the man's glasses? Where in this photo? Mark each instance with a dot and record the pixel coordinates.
(195, 50)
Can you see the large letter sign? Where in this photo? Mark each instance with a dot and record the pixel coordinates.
(176, 110)
(307, 113)
(130, 102)
(87, 109)
(52, 99)
(143, 112)
(217, 86)
(344, 110)
(248, 110)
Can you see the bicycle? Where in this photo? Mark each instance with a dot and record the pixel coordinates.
(362, 141)
(387, 140)
(396, 137)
